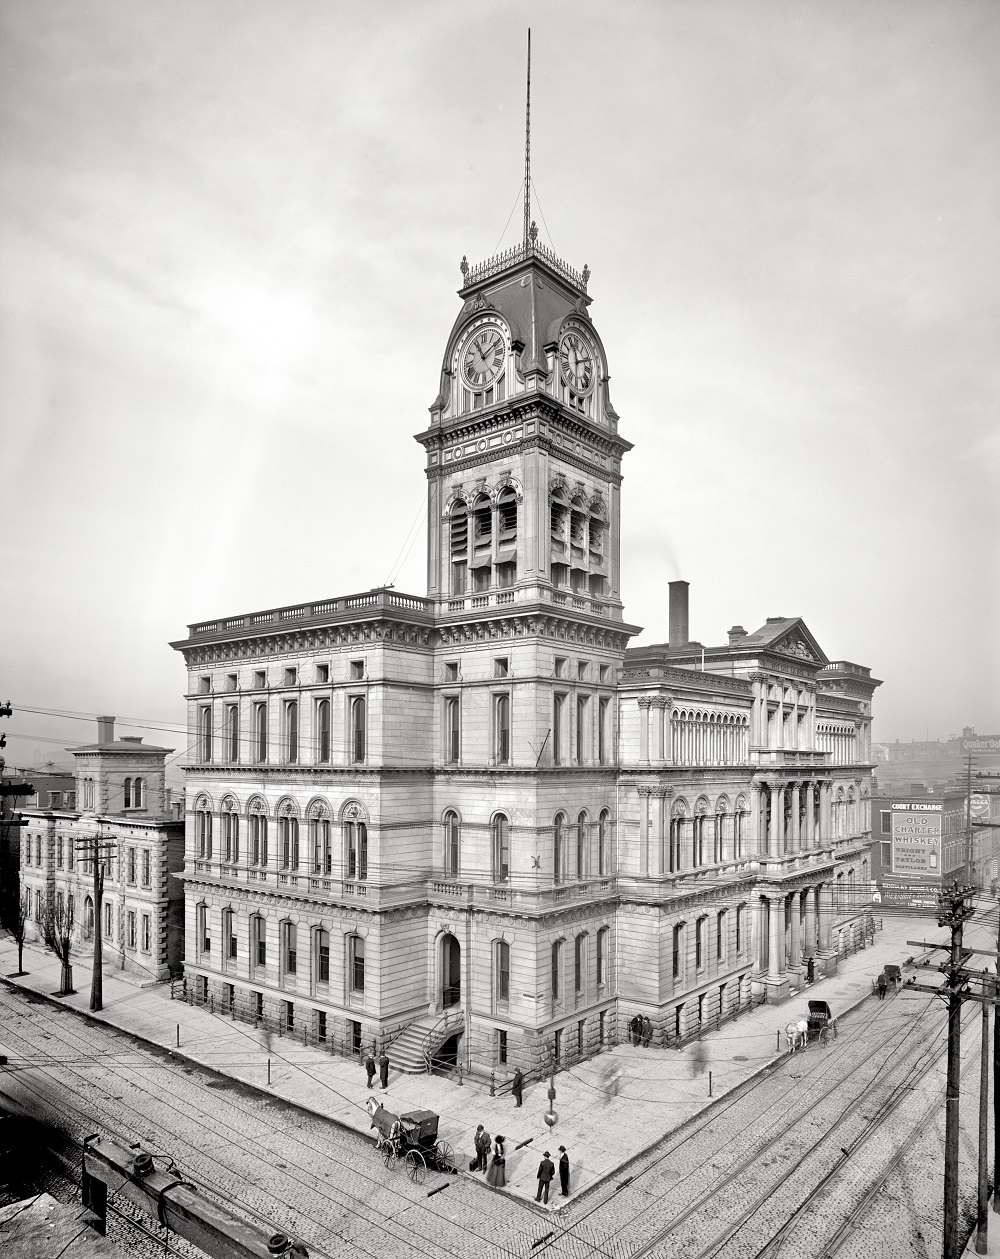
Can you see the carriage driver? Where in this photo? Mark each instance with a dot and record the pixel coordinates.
(395, 1137)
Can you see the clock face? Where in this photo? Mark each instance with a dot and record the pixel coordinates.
(482, 360)
(576, 361)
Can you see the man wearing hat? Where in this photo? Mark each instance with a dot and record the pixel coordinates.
(563, 1171)
(546, 1170)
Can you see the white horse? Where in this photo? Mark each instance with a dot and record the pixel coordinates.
(796, 1035)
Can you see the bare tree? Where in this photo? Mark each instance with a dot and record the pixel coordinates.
(57, 932)
(14, 917)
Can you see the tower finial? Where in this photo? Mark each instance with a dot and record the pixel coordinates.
(527, 152)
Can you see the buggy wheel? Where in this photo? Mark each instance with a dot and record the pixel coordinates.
(416, 1168)
(387, 1154)
(445, 1157)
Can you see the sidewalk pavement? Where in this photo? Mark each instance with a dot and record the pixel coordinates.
(659, 1089)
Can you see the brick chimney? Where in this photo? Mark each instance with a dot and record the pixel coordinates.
(678, 615)
(105, 730)
(736, 635)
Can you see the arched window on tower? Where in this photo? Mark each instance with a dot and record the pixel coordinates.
(458, 529)
(507, 537)
(482, 543)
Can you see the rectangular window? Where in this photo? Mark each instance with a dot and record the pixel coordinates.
(452, 730)
(602, 937)
(323, 673)
(290, 676)
(739, 928)
(232, 681)
(886, 854)
(357, 670)
(257, 1004)
(354, 1031)
(357, 850)
(260, 732)
(578, 963)
(233, 732)
(323, 731)
(288, 1015)
(678, 951)
(720, 937)
(70, 852)
(503, 971)
(605, 673)
(321, 1026)
(145, 933)
(885, 821)
(131, 866)
(259, 679)
(131, 928)
(501, 722)
(108, 921)
(229, 933)
(356, 960)
(581, 729)
(581, 670)
(558, 705)
(603, 708)
(559, 666)
(258, 940)
(501, 667)
(323, 957)
(228, 996)
(358, 729)
(59, 851)
(451, 671)
(699, 943)
(501, 1046)
(205, 686)
(290, 950)
(556, 969)
(146, 868)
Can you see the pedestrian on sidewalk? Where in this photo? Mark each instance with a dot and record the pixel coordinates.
(497, 1176)
(483, 1144)
(370, 1068)
(383, 1069)
(517, 1086)
(882, 985)
(563, 1172)
(647, 1032)
(635, 1029)
(546, 1170)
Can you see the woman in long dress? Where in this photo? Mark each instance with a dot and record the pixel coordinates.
(496, 1175)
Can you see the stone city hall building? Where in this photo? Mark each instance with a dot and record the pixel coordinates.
(477, 815)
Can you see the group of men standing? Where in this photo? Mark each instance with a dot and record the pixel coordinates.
(640, 1031)
(383, 1069)
(546, 1171)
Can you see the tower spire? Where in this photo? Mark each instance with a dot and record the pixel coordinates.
(527, 153)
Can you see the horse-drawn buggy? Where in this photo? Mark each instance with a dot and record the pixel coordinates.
(412, 1140)
(820, 1025)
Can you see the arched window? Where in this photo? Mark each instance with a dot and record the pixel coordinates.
(358, 729)
(502, 967)
(323, 731)
(557, 961)
(258, 940)
(292, 731)
(205, 731)
(459, 539)
(127, 793)
(602, 956)
(138, 794)
(88, 919)
(203, 829)
(356, 849)
(482, 543)
(677, 819)
(603, 840)
(288, 841)
(319, 840)
(582, 853)
(257, 818)
(501, 849)
(501, 710)
(580, 963)
(559, 858)
(507, 537)
(452, 841)
(356, 963)
(321, 955)
(231, 832)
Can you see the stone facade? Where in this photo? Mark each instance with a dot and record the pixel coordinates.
(122, 797)
(481, 804)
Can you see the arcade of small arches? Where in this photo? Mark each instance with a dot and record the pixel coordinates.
(482, 538)
(690, 736)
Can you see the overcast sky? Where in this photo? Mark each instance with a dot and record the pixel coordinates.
(230, 236)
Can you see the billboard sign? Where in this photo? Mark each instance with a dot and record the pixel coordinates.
(901, 894)
(988, 743)
(916, 839)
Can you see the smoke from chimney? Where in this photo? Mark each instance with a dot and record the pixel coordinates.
(678, 615)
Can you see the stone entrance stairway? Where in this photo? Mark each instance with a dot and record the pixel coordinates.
(428, 1033)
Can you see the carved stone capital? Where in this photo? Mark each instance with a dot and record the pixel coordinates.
(645, 701)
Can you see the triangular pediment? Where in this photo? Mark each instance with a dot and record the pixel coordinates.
(789, 636)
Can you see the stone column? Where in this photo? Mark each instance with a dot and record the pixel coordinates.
(777, 819)
(795, 838)
(825, 955)
(795, 937)
(777, 977)
(809, 922)
(807, 829)
(643, 794)
(657, 862)
(661, 722)
(826, 812)
(754, 839)
(644, 703)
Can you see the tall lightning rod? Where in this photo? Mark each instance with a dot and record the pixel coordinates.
(527, 152)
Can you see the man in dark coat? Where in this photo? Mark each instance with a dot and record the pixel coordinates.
(517, 1086)
(370, 1068)
(483, 1143)
(647, 1032)
(563, 1172)
(635, 1029)
(546, 1170)
(882, 985)
(383, 1069)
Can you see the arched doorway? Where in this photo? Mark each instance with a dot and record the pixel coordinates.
(451, 971)
(88, 919)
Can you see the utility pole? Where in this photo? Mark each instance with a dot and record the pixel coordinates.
(983, 1187)
(954, 910)
(93, 849)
